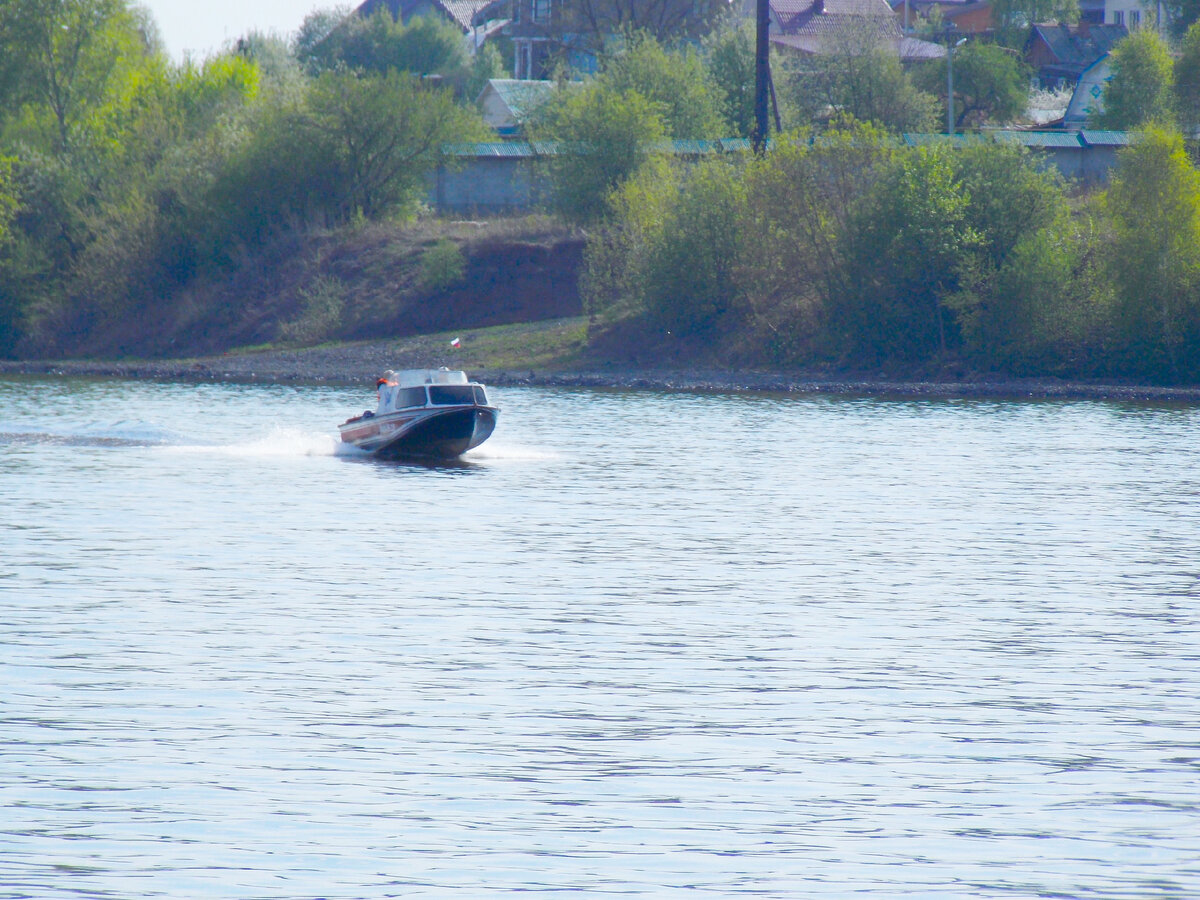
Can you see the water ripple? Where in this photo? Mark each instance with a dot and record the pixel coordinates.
(642, 644)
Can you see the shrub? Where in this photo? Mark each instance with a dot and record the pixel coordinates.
(322, 304)
(442, 265)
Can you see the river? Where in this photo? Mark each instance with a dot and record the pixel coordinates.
(639, 644)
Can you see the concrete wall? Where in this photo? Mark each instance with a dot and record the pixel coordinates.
(487, 184)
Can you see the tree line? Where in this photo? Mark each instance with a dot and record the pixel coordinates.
(848, 248)
(126, 179)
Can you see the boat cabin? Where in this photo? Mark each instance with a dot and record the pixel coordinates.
(419, 388)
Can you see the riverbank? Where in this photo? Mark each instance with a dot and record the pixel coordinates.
(360, 363)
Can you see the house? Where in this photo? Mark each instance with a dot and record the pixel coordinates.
(535, 29)
(1059, 54)
(963, 16)
(1088, 98)
(545, 33)
(1085, 157)
(1091, 12)
(1133, 14)
(507, 104)
(541, 36)
(458, 12)
(822, 27)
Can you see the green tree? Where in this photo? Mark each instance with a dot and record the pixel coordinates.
(383, 135)
(425, 45)
(8, 198)
(353, 145)
(309, 42)
(904, 250)
(1187, 82)
(692, 271)
(1153, 206)
(486, 64)
(604, 136)
(201, 95)
(596, 21)
(613, 281)
(1140, 89)
(10, 308)
(1010, 196)
(1014, 18)
(1008, 281)
(730, 55)
(64, 56)
(677, 81)
(1180, 15)
(272, 54)
(860, 76)
(803, 198)
(991, 85)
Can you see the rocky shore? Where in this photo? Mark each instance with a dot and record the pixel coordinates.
(361, 363)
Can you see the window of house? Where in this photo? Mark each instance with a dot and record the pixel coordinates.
(541, 11)
(1135, 18)
(1119, 17)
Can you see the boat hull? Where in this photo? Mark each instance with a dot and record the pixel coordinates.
(429, 433)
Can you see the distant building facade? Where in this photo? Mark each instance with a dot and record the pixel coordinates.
(1059, 54)
(964, 16)
(508, 104)
(823, 27)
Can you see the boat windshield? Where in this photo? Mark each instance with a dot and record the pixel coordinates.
(451, 394)
(480, 396)
(410, 396)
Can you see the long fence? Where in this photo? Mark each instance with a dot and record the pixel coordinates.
(509, 176)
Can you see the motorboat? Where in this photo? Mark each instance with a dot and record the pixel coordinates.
(435, 413)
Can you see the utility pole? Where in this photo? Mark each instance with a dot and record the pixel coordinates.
(950, 84)
(762, 75)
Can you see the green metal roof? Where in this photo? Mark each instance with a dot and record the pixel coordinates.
(525, 149)
(924, 140)
(1040, 139)
(508, 149)
(1106, 138)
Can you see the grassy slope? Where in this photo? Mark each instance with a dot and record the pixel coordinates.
(369, 282)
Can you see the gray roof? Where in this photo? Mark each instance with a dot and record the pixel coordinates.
(461, 12)
(824, 26)
(521, 97)
(1075, 47)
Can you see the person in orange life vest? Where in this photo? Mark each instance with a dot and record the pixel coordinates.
(387, 379)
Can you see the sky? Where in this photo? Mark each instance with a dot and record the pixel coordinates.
(202, 27)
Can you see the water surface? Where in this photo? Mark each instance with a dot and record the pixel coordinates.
(638, 644)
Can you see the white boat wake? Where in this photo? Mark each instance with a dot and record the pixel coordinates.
(281, 442)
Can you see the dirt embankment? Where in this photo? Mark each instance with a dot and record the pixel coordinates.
(365, 283)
